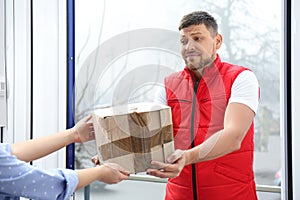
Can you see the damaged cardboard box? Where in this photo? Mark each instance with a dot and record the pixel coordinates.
(133, 135)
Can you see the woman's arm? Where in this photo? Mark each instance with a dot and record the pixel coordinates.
(24, 180)
(36, 148)
(109, 173)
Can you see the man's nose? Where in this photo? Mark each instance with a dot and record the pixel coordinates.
(190, 45)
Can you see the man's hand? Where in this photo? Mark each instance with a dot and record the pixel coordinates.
(176, 162)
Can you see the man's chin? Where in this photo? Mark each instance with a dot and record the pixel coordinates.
(193, 67)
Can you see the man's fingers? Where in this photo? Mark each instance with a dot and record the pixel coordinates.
(159, 165)
(160, 173)
(175, 156)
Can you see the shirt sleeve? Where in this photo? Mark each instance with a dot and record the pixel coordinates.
(245, 90)
(160, 96)
(20, 179)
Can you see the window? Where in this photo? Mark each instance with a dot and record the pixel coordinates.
(115, 45)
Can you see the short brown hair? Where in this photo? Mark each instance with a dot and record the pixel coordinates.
(199, 17)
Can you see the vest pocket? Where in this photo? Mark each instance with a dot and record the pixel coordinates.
(179, 100)
(231, 174)
(181, 112)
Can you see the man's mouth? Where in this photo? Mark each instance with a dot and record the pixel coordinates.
(191, 55)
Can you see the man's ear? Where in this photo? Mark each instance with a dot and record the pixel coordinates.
(218, 40)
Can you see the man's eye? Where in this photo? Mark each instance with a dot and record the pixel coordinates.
(183, 41)
(197, 38)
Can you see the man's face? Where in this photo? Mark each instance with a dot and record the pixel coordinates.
(198, 47)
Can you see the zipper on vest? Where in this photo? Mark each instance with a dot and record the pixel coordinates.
(194, 180)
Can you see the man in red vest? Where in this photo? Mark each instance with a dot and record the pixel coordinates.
(213, 107)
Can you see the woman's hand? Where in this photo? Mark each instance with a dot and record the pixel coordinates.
(95, 160)
(112, 173)
(84, 130)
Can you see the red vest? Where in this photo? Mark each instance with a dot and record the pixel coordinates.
(196, 116)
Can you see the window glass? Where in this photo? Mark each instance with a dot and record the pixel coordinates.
(127, 43)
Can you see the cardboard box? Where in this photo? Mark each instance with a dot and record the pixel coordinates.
(133, 135)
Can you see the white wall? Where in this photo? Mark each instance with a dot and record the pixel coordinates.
(18, 70)
(2, 67)
(49, 72)
(49, 82)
